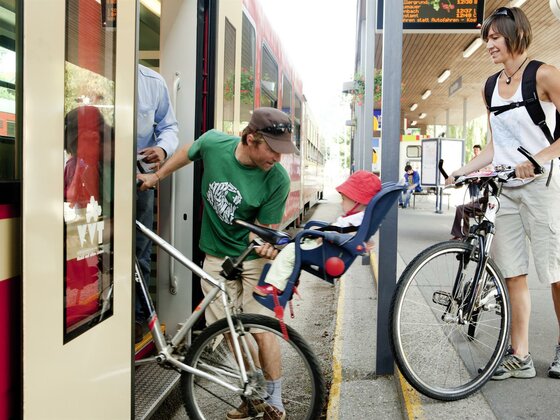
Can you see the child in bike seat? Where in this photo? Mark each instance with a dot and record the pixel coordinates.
(357, 191)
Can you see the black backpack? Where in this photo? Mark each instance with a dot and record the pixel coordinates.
(530, 100)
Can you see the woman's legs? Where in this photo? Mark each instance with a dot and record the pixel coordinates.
(520, 300)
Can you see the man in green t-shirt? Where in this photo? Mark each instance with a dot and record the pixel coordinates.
(243, 180)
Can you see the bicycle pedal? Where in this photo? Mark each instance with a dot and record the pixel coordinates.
(441, 298)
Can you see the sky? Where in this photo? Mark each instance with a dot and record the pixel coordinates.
(319, 37)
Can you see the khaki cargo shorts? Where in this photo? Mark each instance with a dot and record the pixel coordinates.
(240, 291)
(529, 218)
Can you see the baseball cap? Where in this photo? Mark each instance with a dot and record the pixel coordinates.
(276, 128)
(361, 186)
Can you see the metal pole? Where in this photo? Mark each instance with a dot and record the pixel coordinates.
(369, 73)
(392, 62)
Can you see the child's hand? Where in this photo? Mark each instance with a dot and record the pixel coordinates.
(370, 245)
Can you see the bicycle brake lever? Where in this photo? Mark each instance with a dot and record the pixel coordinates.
(538, 168)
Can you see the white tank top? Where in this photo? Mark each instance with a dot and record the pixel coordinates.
(515, 128)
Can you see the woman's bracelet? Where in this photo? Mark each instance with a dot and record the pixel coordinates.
(157, 176)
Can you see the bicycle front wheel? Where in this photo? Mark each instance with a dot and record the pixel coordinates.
(302, 384)
(442, 351)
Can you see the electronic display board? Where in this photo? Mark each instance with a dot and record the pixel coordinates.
(438, 15)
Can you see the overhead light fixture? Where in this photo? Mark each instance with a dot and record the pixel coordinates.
(475, 45)
(413, 107)
(413, 123)
(443, 76)
(516, 3)
(153, 6)
(426, 94)
(422, 115)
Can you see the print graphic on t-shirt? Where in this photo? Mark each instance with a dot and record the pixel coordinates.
(224, 199)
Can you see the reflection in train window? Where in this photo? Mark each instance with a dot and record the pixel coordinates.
(229, 78)
(248, 57)
(297, 122)
(89, 98)
(286, 95)
(269, 79)
(8, 145)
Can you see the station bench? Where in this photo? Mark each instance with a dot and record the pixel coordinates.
(429, 191)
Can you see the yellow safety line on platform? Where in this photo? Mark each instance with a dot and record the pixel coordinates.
(334, 395)
(412, 404)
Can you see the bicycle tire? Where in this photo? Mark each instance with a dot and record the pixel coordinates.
(440, 357)
(303, 387)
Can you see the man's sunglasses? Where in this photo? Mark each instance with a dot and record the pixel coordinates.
(277, 129)
(504, 11)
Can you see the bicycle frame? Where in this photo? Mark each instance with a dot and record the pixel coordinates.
(167, 349)
(481, 237)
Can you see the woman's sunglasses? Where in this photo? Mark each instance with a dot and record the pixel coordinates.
(504, 11)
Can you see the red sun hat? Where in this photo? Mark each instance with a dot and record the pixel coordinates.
(360, 187)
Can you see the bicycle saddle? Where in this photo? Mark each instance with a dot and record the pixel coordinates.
(274, 237)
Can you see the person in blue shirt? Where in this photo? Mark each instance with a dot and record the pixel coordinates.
(412, 180)
(157, 138)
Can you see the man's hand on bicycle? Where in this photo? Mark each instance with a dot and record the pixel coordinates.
(266, 250)
(146, 181)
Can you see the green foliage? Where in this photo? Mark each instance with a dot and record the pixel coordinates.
(360, 87)
(247, 87)
(84, 87)
(7, 94)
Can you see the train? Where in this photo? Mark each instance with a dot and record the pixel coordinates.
(66, 280)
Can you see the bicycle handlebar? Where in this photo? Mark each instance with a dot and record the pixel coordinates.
(502, 173)
(274, 237)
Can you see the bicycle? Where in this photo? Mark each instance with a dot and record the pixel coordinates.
(220, 370)
(450, 314)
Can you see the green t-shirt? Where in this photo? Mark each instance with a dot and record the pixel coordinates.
(231, 191)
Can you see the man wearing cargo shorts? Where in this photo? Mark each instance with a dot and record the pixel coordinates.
(243, 180)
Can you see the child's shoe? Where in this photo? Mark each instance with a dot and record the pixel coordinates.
(267, 289)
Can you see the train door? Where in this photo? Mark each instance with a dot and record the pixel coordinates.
(77, 101)
(10, 212)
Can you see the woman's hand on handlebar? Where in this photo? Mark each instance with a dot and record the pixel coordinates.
(450, 180)
(525, 170)
(146, 181)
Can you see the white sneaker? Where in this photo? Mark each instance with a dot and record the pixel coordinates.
(554, 368)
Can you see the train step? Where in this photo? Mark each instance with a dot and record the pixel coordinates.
(153, 384)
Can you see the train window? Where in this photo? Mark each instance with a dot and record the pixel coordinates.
(229, 78)
(297, 121)
(269, 79)
(89, 90)
(8, 142)
(248, 56)
(286, 95)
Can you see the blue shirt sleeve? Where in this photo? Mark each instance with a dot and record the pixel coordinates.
(156, 123)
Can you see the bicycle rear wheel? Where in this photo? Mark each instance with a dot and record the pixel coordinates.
(442, 353)
(303, 388)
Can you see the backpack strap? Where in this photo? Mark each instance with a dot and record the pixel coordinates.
(531, 99)
(489, 89)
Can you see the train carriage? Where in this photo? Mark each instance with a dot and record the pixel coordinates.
(67, 194)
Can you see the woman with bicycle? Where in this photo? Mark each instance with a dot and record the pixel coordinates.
(529, 204)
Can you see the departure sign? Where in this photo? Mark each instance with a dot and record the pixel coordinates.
(436, 15)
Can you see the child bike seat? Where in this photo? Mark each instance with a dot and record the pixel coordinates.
(346, 247)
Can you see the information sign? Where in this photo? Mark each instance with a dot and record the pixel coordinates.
(438, 15)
